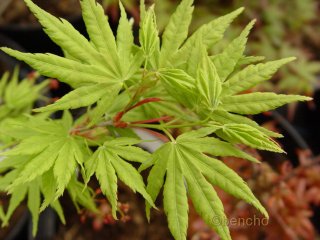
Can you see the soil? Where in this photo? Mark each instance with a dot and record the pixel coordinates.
(16, 13)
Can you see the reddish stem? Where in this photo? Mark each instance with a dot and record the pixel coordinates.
(120, 124)
(119, 115)
(144, 101)
(153, 120)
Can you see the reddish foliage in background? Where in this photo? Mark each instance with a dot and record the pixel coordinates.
(287, 193)
(104, 215)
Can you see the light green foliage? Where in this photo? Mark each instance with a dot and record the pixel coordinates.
(208, 81)
(158, 85)
(39, 165)
(254, 103)
(229, 58)
(17, 97)
(284, 30)
(253, 75)
(108, 162)
(182, 161)
(176, 31)
(210, 33)
(32, 191)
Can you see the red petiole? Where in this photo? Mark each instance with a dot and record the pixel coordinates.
(117, 119)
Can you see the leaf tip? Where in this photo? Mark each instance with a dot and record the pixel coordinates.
(38, 110)
(239, 10)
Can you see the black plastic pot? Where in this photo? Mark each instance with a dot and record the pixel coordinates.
(306, 121)
(294, 136)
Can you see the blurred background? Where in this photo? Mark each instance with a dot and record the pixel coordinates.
(287, 184)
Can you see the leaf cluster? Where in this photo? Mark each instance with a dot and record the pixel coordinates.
(283, 29)
(18, 97)
(163, 83)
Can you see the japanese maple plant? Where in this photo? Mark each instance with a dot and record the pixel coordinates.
(170, 86)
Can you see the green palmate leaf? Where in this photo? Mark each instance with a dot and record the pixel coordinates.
(181, 160)
(208, 81)
(252, 75)
(176, 31)
(254, 103)
(108, 162)
(242, 133)
(44, 150)
(226, 61)
(83, 96)
(122, 84)
(175, 197)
